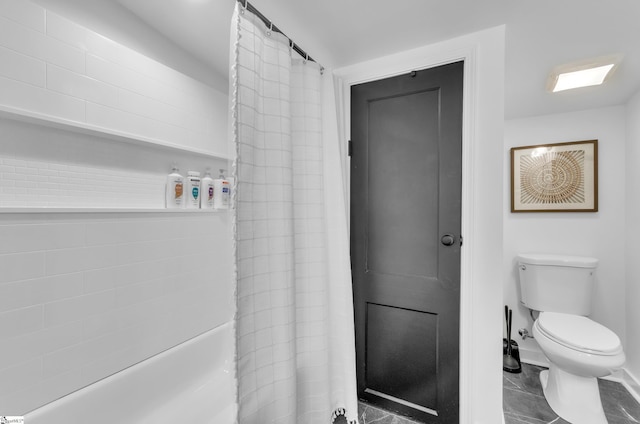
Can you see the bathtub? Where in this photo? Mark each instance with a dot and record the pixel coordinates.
(193, 382)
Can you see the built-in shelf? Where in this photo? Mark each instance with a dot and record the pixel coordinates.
(93, 130)
(45, 210)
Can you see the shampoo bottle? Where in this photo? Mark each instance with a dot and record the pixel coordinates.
(207, 189)
(221, 192)
(174, 198)
(193, 190)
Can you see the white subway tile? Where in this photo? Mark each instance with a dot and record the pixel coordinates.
(140, 293)
(24, 12)
(22, 68)
(140, 272)
(138, 125)
(126, 57)
(133, 79)
(78, 308)
(64, 261)
(114, 74)
(145, 106)
(46, 391)
(32, 345)
(109, 364)
(66, 31)
(41, 290)
(21, 266)
(20, 376)
(77, 356)
(35, 237)
(20, 321)
(24, 96)
(97, 280)
(103, 47)
(80, 86)
(32, 43)
(143, 252)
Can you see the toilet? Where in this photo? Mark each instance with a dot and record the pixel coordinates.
(579, 349)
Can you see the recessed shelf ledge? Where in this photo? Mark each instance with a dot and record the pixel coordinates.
(36, 118)
(45, 209)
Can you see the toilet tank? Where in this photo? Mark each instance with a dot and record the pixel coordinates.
(556, 283)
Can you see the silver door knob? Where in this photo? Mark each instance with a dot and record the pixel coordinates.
(448, 240)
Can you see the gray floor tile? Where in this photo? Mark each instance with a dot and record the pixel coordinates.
(368, 414)
(524, 402)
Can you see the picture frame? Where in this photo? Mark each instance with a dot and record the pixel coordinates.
(557, 177)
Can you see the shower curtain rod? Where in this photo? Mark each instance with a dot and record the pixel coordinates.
(251, 8)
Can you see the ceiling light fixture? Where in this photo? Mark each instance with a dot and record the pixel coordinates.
(582, 74)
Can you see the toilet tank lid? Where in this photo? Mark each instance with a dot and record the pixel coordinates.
(557, 260)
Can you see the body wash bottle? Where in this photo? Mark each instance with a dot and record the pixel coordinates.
(174, 198)
(221, 192)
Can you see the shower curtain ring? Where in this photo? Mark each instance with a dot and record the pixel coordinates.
(306, 58)
(244, 7)
(270, 29)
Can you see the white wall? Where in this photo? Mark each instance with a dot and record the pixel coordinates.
(86, 294)
(601, 234)
(480, 344)
(632, 233)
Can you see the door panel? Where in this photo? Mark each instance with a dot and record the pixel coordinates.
(405, 196)
(402, 194)
(402, 366)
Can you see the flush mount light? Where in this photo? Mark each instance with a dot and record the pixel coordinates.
(582, 74)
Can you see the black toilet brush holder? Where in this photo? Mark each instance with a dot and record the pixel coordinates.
(510, 351)
(515, 353)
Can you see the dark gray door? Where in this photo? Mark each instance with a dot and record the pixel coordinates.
(406, 179)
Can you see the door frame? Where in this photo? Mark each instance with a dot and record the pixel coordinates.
(482, 193)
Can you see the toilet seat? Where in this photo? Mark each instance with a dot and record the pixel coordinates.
(579, 333)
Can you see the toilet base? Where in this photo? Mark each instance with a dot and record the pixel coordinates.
(574, 398)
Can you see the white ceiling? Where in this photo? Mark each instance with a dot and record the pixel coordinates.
(540, 35)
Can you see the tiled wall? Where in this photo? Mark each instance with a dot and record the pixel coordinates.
(82, 297)
(55, 67)
(85, 295)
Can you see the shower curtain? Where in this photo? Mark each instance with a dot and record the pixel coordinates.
(294, 319)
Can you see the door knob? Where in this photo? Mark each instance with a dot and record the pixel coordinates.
(448, 240)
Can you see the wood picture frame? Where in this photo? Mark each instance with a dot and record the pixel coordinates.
(557, 177)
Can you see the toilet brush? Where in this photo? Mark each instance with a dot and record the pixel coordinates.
(509, 363)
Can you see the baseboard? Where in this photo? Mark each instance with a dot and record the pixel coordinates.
(534, 357)
(632, 384)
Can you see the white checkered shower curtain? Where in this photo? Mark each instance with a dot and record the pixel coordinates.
(295, 340)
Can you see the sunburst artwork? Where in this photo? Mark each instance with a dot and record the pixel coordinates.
(560, 177)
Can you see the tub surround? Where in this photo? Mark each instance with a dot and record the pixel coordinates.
(193, 383)
(93, 289)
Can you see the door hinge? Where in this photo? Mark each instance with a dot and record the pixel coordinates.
(460, 239)
(349, 148)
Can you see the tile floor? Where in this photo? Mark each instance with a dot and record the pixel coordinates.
(368, 414)
(524, 402)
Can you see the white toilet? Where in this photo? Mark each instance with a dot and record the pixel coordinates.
(579, 350)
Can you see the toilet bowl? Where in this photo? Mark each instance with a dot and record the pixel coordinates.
(579, 351)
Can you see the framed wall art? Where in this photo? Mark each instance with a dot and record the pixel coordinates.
(559, 177)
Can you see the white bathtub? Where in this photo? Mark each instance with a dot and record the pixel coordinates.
(193, 383)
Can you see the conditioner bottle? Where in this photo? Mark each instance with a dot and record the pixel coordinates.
(207, 189)
(221, 192)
